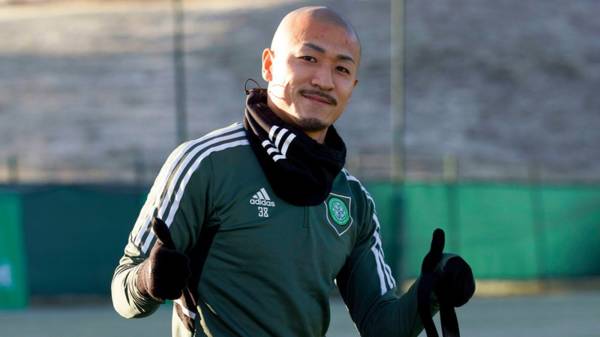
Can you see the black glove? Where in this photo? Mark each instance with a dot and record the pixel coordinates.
(451, 279)
(454, 283)
(165, 273)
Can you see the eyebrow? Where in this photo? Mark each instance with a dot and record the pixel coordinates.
(322, 50)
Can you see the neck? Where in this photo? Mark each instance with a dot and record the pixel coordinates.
(318, 136)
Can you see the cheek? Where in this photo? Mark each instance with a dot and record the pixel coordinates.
(277, 72)
(283, 76)
(345, 91)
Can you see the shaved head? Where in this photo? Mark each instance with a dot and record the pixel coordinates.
(288, 27)
(311, 68)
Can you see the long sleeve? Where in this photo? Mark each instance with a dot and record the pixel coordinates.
(180, 197)
(369, 289)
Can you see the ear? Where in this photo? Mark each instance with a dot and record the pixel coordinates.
(355, 83)
(267, 64)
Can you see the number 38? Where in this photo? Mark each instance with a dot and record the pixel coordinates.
(263, 212)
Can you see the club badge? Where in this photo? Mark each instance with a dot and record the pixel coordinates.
(338, 212)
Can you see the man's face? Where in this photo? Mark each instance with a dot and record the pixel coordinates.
(311, 75)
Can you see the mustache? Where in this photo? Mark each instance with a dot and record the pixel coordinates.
(331, 100)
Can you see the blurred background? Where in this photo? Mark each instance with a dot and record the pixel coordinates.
(479, 117)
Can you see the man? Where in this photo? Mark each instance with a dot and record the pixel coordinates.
(266, 212)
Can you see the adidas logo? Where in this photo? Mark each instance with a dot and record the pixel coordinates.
(261, 198)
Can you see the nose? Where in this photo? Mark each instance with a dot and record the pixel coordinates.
(323, 78)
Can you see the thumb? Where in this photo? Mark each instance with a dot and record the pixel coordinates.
(437, 242)
(434, 255)
(162, 233)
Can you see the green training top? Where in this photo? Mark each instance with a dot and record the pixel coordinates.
(272, 265)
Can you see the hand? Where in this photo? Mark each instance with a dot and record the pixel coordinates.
(450, 279)
(165, 273)
(453, 281)
(455, 284)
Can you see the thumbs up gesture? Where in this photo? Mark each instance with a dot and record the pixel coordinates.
(454, 283)
(164, 274)
(451, 279)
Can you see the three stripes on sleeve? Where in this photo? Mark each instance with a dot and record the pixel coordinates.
(166, 193)
(384, 272)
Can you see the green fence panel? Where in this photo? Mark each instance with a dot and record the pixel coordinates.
(497, 230)
(13, 285)
(425, 209)
(571, 231)
(75, 236)
(504, 230)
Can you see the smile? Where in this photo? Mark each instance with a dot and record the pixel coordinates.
(319, 98)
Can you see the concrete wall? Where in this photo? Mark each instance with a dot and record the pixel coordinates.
(87, 88)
